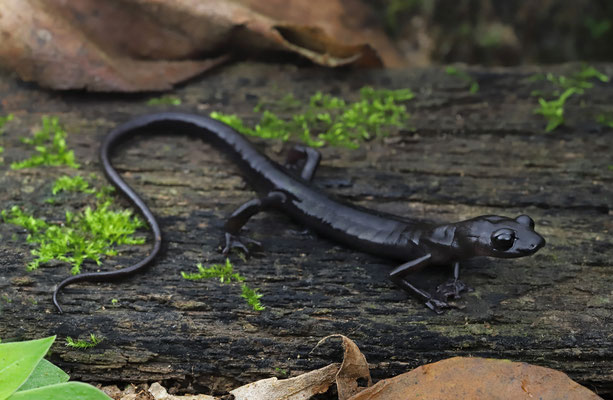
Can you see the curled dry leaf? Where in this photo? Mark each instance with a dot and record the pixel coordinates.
(353, 368)
(143, 45)
(461, 378)
(303, 387)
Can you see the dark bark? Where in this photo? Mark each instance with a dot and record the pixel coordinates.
(469, 154)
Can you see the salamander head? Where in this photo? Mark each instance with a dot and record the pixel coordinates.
(496, 236)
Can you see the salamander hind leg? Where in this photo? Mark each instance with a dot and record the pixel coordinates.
(304, 158)
(234, 224)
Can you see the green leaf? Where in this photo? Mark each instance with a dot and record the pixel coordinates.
(18, 360)
(62, 391)
(44, 374)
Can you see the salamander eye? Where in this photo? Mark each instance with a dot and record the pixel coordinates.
(503, 239)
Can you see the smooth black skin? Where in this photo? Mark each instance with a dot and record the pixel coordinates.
(415, 243)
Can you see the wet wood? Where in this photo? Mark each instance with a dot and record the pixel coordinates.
(460, 155)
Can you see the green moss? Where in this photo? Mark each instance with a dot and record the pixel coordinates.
(84, 344)
(252, 296)
(589, 72)
(473, 85)
(164, 101)
(579, 81)
(3, 121)
(86, 235)
(234, 121)
(328, 120)
(71, 184)
(553, 110)
(565, 86)
(280, 371)
(605, 119)
(50, 144)
(225, 273)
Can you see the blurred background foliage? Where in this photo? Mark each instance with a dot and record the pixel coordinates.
(499, 32)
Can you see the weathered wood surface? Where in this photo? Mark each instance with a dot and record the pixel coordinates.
(470, 154)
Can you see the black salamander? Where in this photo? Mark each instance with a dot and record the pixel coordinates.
(415, 244)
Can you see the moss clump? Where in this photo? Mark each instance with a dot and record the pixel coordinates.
(83, 344)
(564, 88)
(579, 81)
(50, 145)
(553, 110)
(329, 120)
(473, 85)
(164, 101)
(225, 273)
(605, 119)
(88, 234)
(252, 296)
(3, 121)
(71, 184)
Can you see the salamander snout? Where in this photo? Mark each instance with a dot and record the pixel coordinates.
(537, 244)
(531, 246)
(529, 243)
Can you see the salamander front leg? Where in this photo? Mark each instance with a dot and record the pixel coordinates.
(308, 157)
(397, 276)
(240, 217)
(454, 286)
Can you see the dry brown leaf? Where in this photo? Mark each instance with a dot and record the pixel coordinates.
(301, 387)
(143, 45)
(354, 367)
(461, 378)
(346, 22)
(43, 46)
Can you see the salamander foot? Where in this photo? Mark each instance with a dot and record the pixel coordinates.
(438, 306)
(452, 288)
(238, 242)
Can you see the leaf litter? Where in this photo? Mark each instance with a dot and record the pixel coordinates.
(151, 45)
(456, 378)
